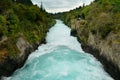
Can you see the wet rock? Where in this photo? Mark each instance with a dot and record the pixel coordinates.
(10, 64)
(107, 50)
(108, 65)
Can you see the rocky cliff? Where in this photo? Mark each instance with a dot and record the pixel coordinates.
(97, 27)
(105, 50)
(22, 29)
(8, 64)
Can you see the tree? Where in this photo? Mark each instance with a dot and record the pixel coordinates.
(83, 16)
(83, 4)
(28, 2)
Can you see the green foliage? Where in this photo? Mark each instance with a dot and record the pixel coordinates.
(31, 15)
(83, 16)
(86, 10)
(12, 17)
(5, 4)
(102, 16)
(3, 28)
(116, 4)
(28, 20)
(104, 31)
(2, 20)
(96, 0)
(27, 2)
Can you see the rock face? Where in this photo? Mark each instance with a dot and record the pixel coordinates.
(23, 26)
(107, 47)
(10, 64)
(105, 50)
(22, 44)
(4, 38)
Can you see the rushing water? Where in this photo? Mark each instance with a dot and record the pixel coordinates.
(60, 59)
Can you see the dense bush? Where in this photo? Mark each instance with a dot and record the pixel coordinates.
(22, 18)
(102, 17)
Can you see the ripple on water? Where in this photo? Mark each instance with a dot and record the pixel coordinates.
(60, 59)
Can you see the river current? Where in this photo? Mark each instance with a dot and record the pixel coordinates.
(61, 58)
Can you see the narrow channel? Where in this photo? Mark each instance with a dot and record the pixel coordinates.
(61, 58)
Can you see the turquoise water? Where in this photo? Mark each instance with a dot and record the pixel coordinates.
(60, 59)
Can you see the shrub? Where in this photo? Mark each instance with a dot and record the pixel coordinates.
(12, 17)
(3, 28)
(93, 31)
(104, 31)
(2, 20)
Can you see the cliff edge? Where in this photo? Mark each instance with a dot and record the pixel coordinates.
(23, 27)
(97, 27)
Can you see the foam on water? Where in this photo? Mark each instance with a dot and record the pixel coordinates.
(60, 59)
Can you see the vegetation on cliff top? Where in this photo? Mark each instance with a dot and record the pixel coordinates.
(98, 25)
(101, 18)
(21, 19)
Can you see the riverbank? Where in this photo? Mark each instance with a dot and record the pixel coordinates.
(108, 65)
(111, 68)
(23, 27)
(10, 64)
(97, 27)
(61, 58)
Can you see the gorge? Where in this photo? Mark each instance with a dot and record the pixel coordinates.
(61, 58)
(83, 45)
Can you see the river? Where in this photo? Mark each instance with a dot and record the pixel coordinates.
(61, 58)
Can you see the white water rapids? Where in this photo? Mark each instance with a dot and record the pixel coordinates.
(60, 59)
